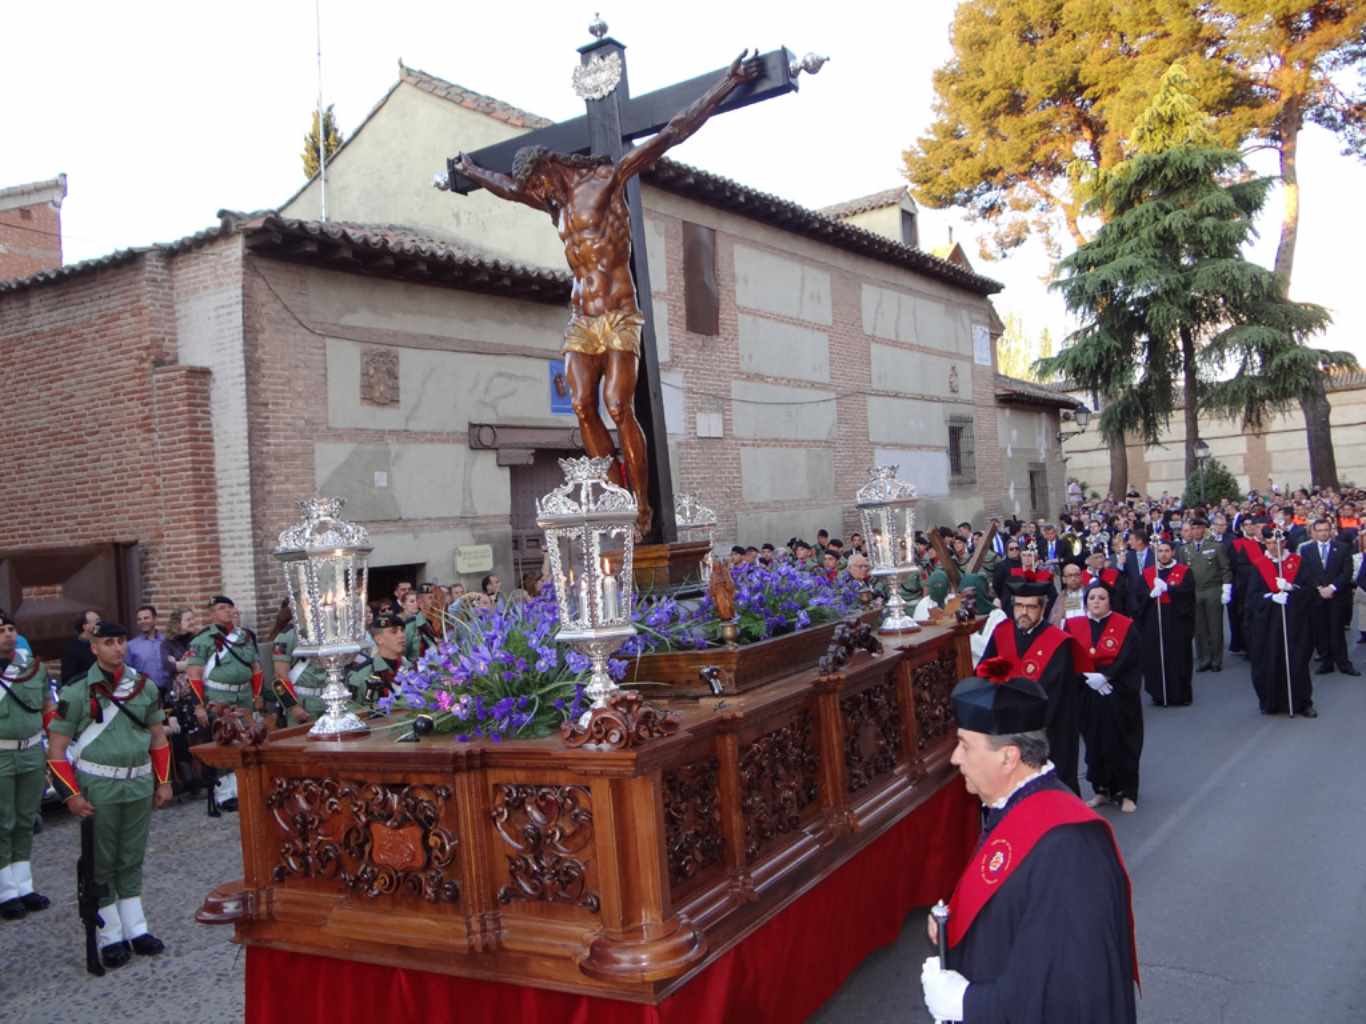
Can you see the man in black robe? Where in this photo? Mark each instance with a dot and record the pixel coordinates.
(1245, 550)
(1280, 636)
(1040, 928)
(1165, 611)
(1037, 651)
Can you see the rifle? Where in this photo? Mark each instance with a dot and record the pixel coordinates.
(88, 897)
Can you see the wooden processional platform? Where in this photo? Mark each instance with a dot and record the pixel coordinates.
(621, 876)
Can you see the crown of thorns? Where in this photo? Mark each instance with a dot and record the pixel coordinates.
(529, 158)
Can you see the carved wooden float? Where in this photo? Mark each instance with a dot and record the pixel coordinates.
(618, 873)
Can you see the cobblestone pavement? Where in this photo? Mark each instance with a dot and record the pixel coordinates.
(200, 976)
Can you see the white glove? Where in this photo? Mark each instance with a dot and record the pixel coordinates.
(1283, 584)
(1280, 598)
(1095, 680)
(1160, 585)
(1156, 592)
(944, 990)
(1227, 595)
(1106, 690)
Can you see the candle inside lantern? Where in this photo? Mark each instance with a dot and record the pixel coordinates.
(611, 592)
(585, 601)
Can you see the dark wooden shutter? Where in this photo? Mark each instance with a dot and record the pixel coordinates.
(701, 296)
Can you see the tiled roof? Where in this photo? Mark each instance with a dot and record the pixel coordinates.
(114, 259)
(1012, 389)
(876, 201)
(494, 108)
(715, 190)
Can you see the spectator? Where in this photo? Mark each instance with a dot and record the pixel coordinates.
(147, 651)
(822, 539)
(737, 555)
(77, 656)
(830, 565)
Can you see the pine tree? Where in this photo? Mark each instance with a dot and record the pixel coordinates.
(1166, 293)
(332, 144)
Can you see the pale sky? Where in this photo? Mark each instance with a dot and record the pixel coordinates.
(161, 113)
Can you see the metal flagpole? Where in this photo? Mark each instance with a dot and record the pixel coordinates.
(940, 913)
(1285, 629)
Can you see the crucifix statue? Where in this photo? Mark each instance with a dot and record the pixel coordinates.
(583, 173)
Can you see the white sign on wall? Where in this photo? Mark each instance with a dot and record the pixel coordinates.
(473, 558)
(981, 345)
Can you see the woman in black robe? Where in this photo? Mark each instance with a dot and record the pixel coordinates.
(1277, 613)
(1112, 702)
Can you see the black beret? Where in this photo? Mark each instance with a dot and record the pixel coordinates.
(1000, 708)
(105, 629)
(385, 620)
(220, 599)
(425, 588)
(5, 619)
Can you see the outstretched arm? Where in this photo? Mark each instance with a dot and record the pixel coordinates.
(501, 185)
(743, 69)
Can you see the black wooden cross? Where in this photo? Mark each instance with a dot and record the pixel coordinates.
(608, 130)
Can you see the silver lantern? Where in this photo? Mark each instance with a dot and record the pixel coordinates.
(583, 519)
(886, 507)
(694, 518)
(325, 563)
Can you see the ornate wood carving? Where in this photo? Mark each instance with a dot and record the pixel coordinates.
(779, 778)
(692, 818)
(872, 734)
(390, 840)
(933, 681)
(548, 827)
(627, 721)
(379, 376)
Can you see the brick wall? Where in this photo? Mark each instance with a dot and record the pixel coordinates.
(104, 439)
(30, 240)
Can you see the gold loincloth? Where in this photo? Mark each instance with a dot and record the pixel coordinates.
(608, 332)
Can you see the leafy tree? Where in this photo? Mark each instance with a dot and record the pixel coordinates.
(333, 141)
(1212, 484)
(1017, 351)
(1166, 292)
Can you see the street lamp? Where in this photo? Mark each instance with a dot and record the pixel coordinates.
(1080, 416)
(1201, 460)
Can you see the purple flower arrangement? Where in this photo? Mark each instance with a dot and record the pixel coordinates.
(501, 675)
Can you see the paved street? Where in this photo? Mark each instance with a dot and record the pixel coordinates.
(1246, 856)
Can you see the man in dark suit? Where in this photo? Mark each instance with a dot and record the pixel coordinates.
(1140, 557)
(1326, 567)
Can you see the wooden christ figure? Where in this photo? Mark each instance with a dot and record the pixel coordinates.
(586, 198)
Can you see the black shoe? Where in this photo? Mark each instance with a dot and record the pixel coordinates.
(1309, 712)
(116, 954)
(1216, 668)
(147, 944)
(35, 901)
(13, 910)
(229, 805)
(1323, 670)
(1239, 650)
(1349, 670)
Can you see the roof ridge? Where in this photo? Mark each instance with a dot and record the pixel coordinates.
(862, 204)
(499, 110)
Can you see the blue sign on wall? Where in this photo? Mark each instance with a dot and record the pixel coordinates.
(560, 404)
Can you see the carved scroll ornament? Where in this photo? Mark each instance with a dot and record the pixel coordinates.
(779, 779)
(549, 828)
(692, 818)
(872, 734)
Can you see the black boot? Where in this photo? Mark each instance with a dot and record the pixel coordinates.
(116, 954)
(13, 910)
(35, 901)
(147, 944)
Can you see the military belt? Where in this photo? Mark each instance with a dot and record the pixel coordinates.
(109, 771)
(309, 691)
(210, 684)
(32, 741)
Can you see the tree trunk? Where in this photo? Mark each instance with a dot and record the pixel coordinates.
(1119, 469)
(1318, 427)
(1192, 409)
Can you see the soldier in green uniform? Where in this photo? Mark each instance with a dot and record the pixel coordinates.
(299, 682)
(224, 668)
(122, 767)
(1209, 565)
(25, 706)
(375, 678)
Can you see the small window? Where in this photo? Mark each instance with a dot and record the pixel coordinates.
(962, 452)
(701, 296)
(1038, 491)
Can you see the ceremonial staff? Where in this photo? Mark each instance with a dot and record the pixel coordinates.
(940, 913)
(1161, 643)
(1282, 587)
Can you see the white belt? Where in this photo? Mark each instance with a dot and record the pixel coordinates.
(106, 771)
(209, 684)
(309, 691)
(32, 741)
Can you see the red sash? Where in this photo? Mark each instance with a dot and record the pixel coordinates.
(1250, 548)
(1006, 849)
(1105, 650)
(1174, 576)
(1290, 568)
(1108, 577)
(1034, 576)
(1036, 657)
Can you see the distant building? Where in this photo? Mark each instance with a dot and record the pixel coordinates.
(31, 227)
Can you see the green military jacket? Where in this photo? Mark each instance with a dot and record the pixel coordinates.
(418, 637)
(116, 741)
(1208, 561)
(26, 682)
(375, 668)
(229, 660)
